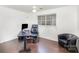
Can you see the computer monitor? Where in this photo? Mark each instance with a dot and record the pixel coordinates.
(24, 26)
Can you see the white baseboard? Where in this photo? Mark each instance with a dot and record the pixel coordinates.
(53, 39)
(6, 40)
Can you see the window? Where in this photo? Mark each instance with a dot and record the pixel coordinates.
(47, 19)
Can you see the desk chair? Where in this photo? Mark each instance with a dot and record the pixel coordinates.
(34, 32)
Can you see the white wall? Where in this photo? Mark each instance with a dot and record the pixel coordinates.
(10, 23)
(67, 19)
(31, 19)
(77, 21)
(77, 33)
(66, 22)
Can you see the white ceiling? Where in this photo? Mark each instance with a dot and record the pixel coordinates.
(28, 8)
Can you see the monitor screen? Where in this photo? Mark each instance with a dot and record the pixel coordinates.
(24, 26)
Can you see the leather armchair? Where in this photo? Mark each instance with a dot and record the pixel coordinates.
(67, 40)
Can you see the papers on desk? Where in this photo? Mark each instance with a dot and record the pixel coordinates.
(24, 33)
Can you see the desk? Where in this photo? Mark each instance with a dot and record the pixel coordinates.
(25, 36)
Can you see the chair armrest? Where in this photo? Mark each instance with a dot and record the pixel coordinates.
(71, 42)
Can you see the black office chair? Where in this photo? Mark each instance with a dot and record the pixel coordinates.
(34, 33)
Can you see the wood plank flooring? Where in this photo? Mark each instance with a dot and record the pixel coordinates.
(43, 46)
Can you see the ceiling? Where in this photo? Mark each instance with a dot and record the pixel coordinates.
(28, 8)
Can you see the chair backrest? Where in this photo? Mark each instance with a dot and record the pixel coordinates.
(73, 38)
(34, 28)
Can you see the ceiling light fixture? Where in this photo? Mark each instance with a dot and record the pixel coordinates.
(34, 9)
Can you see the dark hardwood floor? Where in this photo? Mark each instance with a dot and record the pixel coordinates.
(43, 46)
